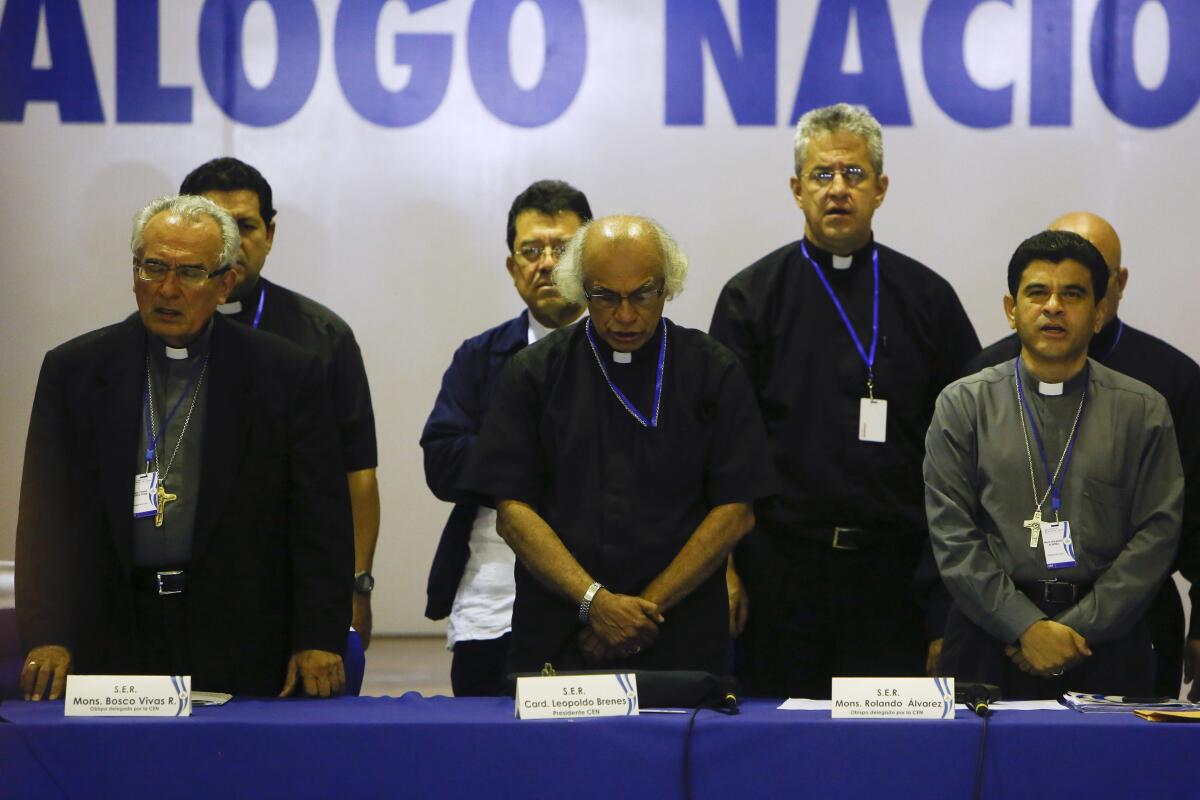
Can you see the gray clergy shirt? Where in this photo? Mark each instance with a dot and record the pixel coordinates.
(1122, 494)
(171, 545)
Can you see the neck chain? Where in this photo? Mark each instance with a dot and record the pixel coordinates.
(1037, 514)
(162, 480)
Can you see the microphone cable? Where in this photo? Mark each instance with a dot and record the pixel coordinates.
(728, 705)
(981, 708)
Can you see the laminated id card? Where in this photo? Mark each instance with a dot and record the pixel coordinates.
(1057, 544)
(145, 494)
(872, 420)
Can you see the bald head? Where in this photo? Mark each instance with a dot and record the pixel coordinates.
(620, 232)
(619, 236)
(1104, 238)
(1096, 230)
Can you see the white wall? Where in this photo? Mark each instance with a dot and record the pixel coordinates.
(400, 230)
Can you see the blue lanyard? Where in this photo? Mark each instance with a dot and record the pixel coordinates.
(262, 298)
(152, 437)
(868, 358)
(1055, 486)
(1116, 341)
(658, 381)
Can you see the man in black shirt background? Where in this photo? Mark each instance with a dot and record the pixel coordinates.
(1177, 378)
(848, 344)
(242, 191)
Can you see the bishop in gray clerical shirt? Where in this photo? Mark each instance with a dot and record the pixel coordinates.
(1051, 437)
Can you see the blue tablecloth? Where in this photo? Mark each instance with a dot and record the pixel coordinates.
(364, 747)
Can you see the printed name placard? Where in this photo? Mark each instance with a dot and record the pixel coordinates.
(565, 696)
(129, 696)
(896, 698)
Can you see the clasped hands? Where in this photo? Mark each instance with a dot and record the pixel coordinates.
(1047, 649)
(619, 626)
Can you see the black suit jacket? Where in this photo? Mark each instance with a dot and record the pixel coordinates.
(272, 559)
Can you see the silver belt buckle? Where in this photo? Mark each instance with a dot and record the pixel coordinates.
(837, 532)
(158, 576)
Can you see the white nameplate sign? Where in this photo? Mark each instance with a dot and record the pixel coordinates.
(563, 696)
(129, 696)
(894, 698)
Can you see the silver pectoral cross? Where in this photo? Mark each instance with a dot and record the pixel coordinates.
(1035, 527)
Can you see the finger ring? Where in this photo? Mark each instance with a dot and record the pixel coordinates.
(1056, 674)
(33, 663)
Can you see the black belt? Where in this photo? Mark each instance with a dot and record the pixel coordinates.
(1054, 594)
(846, 538)
(163, 582)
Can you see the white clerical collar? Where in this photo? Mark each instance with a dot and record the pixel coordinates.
(198, 346)
(622, 358)
(842, 262)
(1050, 389)
(231, 308)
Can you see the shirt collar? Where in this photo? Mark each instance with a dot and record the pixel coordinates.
(163, 353)
(537, 331)
(1072, 386)
(648, 351)
(827, 261)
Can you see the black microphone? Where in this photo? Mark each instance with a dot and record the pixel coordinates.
(976, 696)
(727, 689)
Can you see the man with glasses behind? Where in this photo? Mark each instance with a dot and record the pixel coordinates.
(183, 510)
(847, 343)
(471, 579)
(623, 455)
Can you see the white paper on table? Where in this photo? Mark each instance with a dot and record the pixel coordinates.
(805, 704)
(1027, 705)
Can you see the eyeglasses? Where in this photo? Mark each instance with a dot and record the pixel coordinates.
(156, 272)
(534, 252)
(641, 298)
(823, 176)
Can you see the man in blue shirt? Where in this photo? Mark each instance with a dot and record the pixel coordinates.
(471, 579)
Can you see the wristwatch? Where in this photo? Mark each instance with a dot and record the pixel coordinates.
(364, 582)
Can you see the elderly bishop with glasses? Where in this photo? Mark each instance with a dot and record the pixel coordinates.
(183, 511)
(623, 454)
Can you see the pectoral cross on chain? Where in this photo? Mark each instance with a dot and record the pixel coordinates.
(163, 498)
(1034, 525)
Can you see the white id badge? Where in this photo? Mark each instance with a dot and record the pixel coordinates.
(145, 494)
(1057, 544)
(872, 420)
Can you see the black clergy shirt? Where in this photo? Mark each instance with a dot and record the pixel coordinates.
(314, 327)
(622, 497)
(809, 378)
(1175, 376)
(175, 382)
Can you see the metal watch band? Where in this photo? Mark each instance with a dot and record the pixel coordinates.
(585, 607)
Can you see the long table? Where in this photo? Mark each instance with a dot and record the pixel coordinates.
(410, 746)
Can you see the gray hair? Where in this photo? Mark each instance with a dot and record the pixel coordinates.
(568, 272)
(841, 117)
(192, 208)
